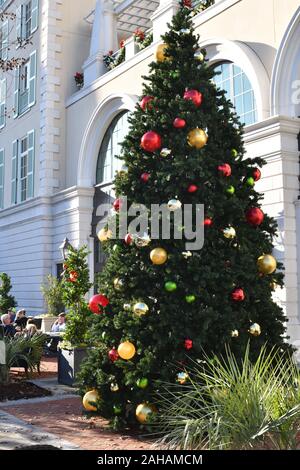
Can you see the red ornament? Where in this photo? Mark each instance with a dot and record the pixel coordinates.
(256, 174)
(188, 344)
(117, 205)
(187, 3)
(225, 169)
(192, 188)
(73, 276)
(255, 216)
(207, 222)
(151, 141)
(113, 355)
(96, 301)
(145, 103)
(128, 239)
(238, 295)
(65, 266)
(179, 123)
(193, 95)
(145, 177)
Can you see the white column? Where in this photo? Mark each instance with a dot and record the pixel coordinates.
(104, 38)
(162, 16)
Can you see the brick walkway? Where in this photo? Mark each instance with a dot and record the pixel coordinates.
(48, 369)
(63, 418)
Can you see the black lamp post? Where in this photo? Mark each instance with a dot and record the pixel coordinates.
(65, 248)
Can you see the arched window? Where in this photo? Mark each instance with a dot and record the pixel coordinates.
(111, 145)
(235, 82)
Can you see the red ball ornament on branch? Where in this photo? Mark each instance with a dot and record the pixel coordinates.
(256, 174)
(187, 3)
(96, 302)
(129, 239)
(255, 216)
(193, 95)
(151, 141)
(207, 222)
(145, 177)
(145, 103)
(192, 188)
(73, 276)
(225, 169)
(238, 295)
(179, 123)
(117, 205)
(113, 355)
(188, 344)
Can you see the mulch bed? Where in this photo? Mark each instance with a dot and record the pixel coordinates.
(18, 390)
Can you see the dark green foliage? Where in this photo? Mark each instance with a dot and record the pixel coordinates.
(7, 301)
(75, 285)
(53, 295)
(211, 273)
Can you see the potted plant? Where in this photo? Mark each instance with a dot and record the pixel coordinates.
(53, 295)
(75, 286)
(79, 79)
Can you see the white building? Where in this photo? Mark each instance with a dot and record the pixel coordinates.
(57, 143)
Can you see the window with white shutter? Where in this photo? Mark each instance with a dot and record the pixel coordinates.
(27, 19)
(26, 167)
(2, 102)
(25, 86)
(2, 178)
(16, 92)
(14, 172)
(4, 40)
(32, 78)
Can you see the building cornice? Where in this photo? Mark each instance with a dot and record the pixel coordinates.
(272, 126)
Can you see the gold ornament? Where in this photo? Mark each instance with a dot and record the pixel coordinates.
(140, 309)
(114, 387)
(234, 334)
(199, 56)
(104, 235)
(273, 285)
(144, 411)
(266, 264)
(197, 138)
(255, 329)
(160, 53)
(126, 350)
(127, 307)
(174, 205)
(90, 400)
(229, 233)
(165, 152)
(143, 241)
(118, 283)
(182, 377)
(158, 256)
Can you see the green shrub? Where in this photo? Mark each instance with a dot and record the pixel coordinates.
(53, 295)
(231, 405)
(7, 301)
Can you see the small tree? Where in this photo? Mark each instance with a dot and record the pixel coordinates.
(75, 285)
(7, 301)
(53, 295)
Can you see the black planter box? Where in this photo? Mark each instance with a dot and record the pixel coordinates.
(69, 361)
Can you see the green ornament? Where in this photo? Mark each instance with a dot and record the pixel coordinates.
(234, 153)
(142, 383)
(103, 334)
(117, 409)
(250, 181)
(190, 299)
(170, 286)
(230, 190)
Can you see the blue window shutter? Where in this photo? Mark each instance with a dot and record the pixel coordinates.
(32, 79)
(2, 102)
(1, 178)
(19, 14)
(16, 92)
(31, 158)
(14, 172)
(34, 15)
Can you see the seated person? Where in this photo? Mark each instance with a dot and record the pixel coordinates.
(30, 331)
(60, 324)
(21, 319)
(8, 327)
(12, 313)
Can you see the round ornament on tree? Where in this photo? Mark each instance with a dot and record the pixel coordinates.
(104, 235)
(255, 216)
(179, 123)
(144, 411)
(145, 177)
(238, 295)
(73, 276)
(142, 383)
(165, 152)
(129, 240)
(174, 205)
(170, 286)
(182, 378)
(193, 95)
(197, 138)
(188, 344)
(229, 233)
(190, 298)
(199, 56)
(114, 387)
(117, 409)
(235, 334)
(145, 103)
(250, 182)
(160, 53)
(159, 256)
(151, 141)
(192, 188)
(140, 309)
(113, 355)
(224, 169)
(266, 264)
(143, 241)
(207, 222)
(117, 205)
(90, 400)
(255, 329)
(256, 174)
(230, 190)
(126, 350)
(96, 302)
(118, 284)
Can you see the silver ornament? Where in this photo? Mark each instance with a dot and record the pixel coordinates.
(143, 241)
(140, 309)
(174, 205)
(165, 152)
(199, 56)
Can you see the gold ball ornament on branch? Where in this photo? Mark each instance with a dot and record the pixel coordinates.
(114, 387)
(229, 233)
(234, 334)
(197, 138)
(182, 378)
(255, 329)
(174, 205)
(140, 309)
(160, 53)
(90, 400)
(144, 411)
(118, 283)
(158, 256)
(104, 235)
(266, 264)
(142, 242)
(126, 350)
(199, 56)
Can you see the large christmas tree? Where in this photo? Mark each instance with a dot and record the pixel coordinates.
(159, 304)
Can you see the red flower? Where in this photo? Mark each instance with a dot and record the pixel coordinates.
(110, 52)
(187, 3)
(122, 43)
(139, 34)
(188, 344)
